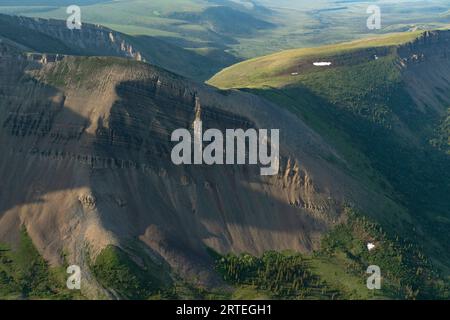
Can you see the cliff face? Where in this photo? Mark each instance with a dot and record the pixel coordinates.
(430, 43)
(43, 36)
(86, 163)
(426, 63)
(89, 40)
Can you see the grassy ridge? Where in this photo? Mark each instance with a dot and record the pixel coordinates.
(271, 70)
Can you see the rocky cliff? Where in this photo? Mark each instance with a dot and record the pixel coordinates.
(89, 40)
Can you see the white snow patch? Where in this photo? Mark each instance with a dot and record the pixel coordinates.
(322, 64)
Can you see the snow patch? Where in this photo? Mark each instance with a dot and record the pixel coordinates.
(322, 64)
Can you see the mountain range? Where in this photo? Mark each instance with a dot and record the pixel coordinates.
(86, 118)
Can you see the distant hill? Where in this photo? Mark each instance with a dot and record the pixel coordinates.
(243, 29)
(222, 19)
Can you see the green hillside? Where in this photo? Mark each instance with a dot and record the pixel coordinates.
(337, 270)
(24, 274)
(362, 105)
(276, 70)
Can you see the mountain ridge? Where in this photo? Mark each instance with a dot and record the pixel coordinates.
(51, 36)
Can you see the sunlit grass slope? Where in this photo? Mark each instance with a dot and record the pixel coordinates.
(272, 70)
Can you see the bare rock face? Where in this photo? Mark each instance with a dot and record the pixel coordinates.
(85, 146)
(89, 40)
(426, 64)
(430, 43)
